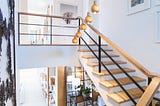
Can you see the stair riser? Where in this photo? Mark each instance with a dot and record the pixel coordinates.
(128, 103)
(157, 95)
(103, 59)
(90, 53)
(120, 75)
(129, 86)
(93, 47)
(111, 67)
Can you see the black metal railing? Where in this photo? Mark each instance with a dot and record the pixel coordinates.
(100, 63)
(35, 29)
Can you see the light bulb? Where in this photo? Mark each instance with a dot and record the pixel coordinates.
(83, 26)
(95, 8)
(88, 18)
(78, 34)
(74, 40)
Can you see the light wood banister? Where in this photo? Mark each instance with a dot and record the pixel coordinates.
(114, 46)
(149, 92)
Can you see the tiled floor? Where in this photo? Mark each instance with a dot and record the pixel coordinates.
(32, 88)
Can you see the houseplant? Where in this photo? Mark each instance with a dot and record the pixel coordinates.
(84, 91)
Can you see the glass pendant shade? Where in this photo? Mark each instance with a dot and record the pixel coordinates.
(78, 34)
(83, 26)
(88, 18)
(95, 8)
(74, 40)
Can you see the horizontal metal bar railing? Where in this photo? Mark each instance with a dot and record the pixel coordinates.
(27, 34)
(45, 37)
(43, 15)
(49, 25)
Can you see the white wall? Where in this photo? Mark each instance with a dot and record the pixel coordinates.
(46, 56)
(133, 33)
(77, 3)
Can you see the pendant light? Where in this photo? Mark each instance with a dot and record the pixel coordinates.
(78, 34)
(74, 40)
(83, 26)
(95, 8)
(88, 18)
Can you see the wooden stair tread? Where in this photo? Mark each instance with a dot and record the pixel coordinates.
(113, 71)
(123, 81)
(93, 64)
(103, 56)
(121, 96)
(87, 50)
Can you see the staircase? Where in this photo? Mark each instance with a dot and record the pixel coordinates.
(121, 81)
(108, 88)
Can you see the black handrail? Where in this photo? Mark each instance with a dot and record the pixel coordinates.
(110, 73)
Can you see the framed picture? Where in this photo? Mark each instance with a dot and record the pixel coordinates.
(135, 6)
(157, 37)
(157, 2)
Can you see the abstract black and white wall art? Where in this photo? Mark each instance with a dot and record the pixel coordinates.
(7, 47)
(135, 6)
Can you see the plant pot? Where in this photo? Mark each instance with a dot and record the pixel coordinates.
(85, 96)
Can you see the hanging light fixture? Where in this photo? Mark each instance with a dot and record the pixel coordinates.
(83, 26)
(95, 8)
(78, 34)
(74, 40)
(88, 18)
